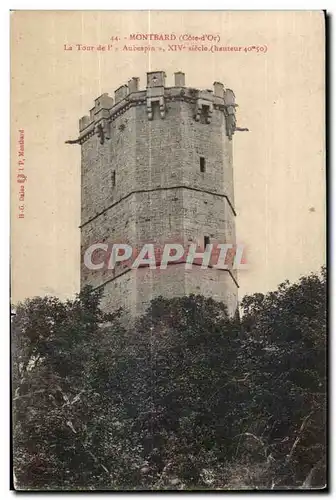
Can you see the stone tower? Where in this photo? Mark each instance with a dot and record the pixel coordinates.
(157, 168)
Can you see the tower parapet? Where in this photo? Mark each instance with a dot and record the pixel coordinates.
(107, 109)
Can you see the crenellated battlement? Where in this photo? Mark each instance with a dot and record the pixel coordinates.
(106, 109)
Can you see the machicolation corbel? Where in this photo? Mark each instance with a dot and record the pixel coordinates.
(203, 111)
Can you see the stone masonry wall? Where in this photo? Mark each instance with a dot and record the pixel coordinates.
(143, 184)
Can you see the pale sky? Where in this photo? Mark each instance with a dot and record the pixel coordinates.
(279, 165)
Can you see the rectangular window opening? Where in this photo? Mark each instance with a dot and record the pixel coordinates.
(156, 110)
(206, 241)
(204, 114)
(113, 178)
(202, 164)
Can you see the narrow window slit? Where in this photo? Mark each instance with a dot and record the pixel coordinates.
(206, 241)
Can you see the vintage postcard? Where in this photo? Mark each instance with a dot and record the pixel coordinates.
(168, 241)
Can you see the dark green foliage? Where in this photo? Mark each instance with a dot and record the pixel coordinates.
(285, 354)
(183, 398)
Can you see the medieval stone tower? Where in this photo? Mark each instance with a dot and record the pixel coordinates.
(157, 167)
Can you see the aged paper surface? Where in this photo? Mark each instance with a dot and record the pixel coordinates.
(273, 61)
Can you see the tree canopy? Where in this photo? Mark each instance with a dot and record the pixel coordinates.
(184, 397)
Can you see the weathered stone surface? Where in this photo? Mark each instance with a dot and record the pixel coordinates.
(142, 183)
